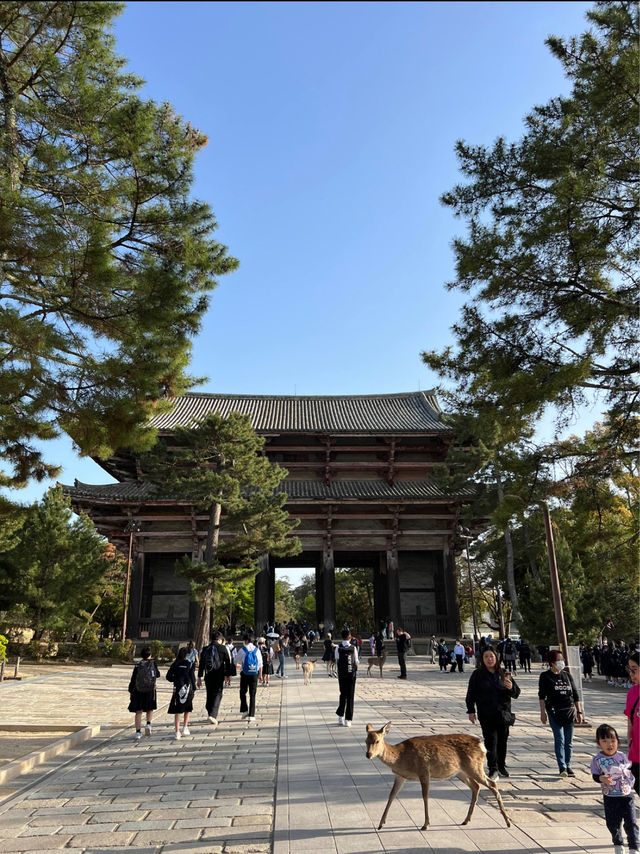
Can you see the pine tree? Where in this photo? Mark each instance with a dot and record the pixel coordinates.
(218, 466)
(550, 258)
(51, 574)
(105, 260)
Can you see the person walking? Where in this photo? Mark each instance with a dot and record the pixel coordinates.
(458, 651)
(525, 657)
(181, 673)
(432, 648)
(328, 654)
(347, 664)
(230, 668)
(142, 692)
(403, 643)
(510, 655)
(379, 644)
(443, 655)
(249, 663)
(632, 713)
(193, 654)
(610, 768)
(214, 663)
(560, 705)
(278, 652)
(490, 691)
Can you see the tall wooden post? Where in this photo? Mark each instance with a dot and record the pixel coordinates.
(393, 588)
(262, 593)
(328, 590)
(561, 629)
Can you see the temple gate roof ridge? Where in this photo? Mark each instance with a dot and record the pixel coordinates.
(402, 412)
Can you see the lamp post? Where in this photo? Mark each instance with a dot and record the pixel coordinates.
(465, 534)
(132, 528)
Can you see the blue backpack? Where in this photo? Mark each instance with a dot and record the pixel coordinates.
(250, 665)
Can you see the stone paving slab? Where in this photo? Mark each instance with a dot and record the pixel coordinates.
(213, 792)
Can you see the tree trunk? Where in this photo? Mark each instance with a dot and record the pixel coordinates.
(511, 576)
(203, 621)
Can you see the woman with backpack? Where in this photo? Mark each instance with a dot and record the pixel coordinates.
(215, 661)
(142, 692)
(182, 675)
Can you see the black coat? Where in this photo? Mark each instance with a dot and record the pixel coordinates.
(487, 693)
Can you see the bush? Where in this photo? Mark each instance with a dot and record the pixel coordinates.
(3, 647)
(157, 649)
(36, 650)
(107, 647)
(122, 650)
(65, 650)
(88, 646)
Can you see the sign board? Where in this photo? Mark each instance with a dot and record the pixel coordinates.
(144, 634)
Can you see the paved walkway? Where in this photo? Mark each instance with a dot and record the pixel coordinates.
(216, 790)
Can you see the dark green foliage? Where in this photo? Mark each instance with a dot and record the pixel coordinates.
(549, 261)
(218, 467)
(54, 570)
(105, 260)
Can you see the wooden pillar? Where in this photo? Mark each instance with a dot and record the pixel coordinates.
(135, 595)
(393, 588)
(320, 595)
(380, 591)
(451, 590)
(263, 593)
(328, 590)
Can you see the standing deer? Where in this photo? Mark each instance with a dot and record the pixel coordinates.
(436, 757)
(376, 661)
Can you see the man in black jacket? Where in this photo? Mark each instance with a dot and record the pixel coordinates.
(347, 666)
(215, 661)
(403, 640)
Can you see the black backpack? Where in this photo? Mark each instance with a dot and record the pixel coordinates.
(211, 659)
(146, 676)
(346, 661)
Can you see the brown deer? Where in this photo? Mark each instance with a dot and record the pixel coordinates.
(437, 757)
(376, 661)
(307, 669)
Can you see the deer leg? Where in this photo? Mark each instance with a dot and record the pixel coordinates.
(398, 783)
(369, 670)
(475, 788)
(491, 784)
(424, 782)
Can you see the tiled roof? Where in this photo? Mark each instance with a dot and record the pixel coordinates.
(297, 490)
(412, 412)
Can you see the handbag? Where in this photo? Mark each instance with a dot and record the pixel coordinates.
(508, 717)
(564, 716)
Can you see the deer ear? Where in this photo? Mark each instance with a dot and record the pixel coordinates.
(369, 728)
(386, 727)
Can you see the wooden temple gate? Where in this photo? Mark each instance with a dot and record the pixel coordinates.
(359, 482)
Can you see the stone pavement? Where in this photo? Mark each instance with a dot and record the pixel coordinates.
(216, 790)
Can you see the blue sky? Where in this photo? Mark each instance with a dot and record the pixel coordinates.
(331, 137)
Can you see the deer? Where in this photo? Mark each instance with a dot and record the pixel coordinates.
(307, 669)
(376, 661)
(437, 757)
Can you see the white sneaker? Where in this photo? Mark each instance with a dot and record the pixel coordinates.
(186, 730)
(147, 729)
(212, 720)
(494, 775)
(137, 736)
(618, 849)
(176, 736)
(245, 714)
(340, 720)
(250, 720)
(347, 723)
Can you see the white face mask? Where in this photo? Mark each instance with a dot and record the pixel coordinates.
(559, 665)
